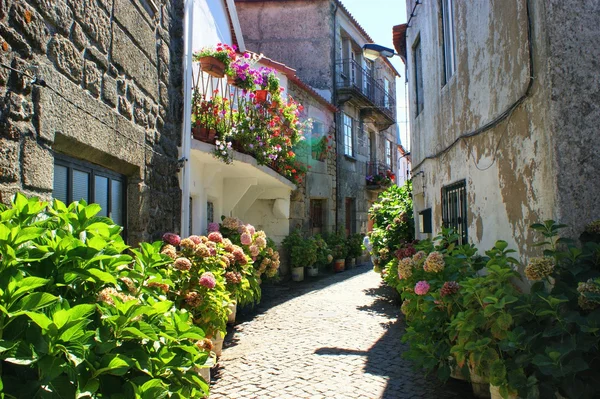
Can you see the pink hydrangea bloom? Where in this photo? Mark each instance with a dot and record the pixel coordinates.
(421, 288)
(182, 264)
(208, 280)
(212, 227)
(195, 239)
(254, 251)
(246, 239)
(251, 229)
(171, 238)
(215, 236)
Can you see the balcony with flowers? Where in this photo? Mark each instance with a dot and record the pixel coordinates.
(379, 176)
(247, 113)
(246, 132)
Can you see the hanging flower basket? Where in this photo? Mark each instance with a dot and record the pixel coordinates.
(212, 66)
(204, 134)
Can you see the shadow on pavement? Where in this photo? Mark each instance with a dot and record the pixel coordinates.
(384, 357)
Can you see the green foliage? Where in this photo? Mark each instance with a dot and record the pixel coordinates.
(71, 326)
(302, 251)
(393, 222)
(337, 244)
(354, 244)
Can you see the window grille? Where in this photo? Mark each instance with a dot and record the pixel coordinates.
(454, 209)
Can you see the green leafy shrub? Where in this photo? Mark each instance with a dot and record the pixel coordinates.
(337, 244)
(302, 251)
(77, 315)
(393, 224)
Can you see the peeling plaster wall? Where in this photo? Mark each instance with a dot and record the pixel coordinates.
(510, 169)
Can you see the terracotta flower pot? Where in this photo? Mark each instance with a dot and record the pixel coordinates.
(339, 265)
(204, 134)
(212, 66)
(233, 80)
(261, 96)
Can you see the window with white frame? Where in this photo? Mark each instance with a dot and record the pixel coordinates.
(449, 45)
(347, 125)
(386, 93)
(388, 153)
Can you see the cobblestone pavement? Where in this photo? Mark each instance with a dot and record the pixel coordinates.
(338, 338)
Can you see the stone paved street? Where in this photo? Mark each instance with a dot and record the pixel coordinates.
(338, 337)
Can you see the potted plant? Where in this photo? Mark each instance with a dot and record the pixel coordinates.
(302, 252)
(215, 61)
(354, 243)
(323, 255)
(339, 250)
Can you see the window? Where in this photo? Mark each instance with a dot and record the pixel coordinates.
(454, 209)
(388, 153)
(348, 135)
(425, 225)
(386, 93)
(449, 39)
(317, 213)
(368, 80)
(353, 78)
(350, 216)
(75, 180)
(418, 75)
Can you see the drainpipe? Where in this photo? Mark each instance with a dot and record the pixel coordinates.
(336, 117)
(187, 114)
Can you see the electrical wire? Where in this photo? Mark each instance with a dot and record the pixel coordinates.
(504, 115)
(42, 83)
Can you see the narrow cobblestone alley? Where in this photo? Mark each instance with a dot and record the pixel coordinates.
(338, 337)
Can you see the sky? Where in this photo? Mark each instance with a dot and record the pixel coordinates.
(378, 17)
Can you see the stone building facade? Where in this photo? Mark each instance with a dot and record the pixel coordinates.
(323, 42)
(106, 125)
(504, 100)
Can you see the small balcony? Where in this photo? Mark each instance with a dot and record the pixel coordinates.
(353, 82)
(379, 176)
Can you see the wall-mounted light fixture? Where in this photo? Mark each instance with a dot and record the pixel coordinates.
(372, 51)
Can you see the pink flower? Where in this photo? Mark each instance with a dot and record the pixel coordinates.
(195, 239)
(182, 264)
(171, 238)
(215, 236)
(254, 251)
(208, 280)
(246, 239)
(421, 288)
(251, 229)
(212, 227)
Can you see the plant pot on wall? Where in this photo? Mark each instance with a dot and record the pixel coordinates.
(233, 311)
(218, 344)
(479, 383)
(204, 134)
(297, 273)
(212, 66)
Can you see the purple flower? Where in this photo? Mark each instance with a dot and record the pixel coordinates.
(421, 288)
(212, 227)
(171, 238)
(208, 280)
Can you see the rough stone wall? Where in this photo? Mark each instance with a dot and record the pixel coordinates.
(114, 76)
(320, 181)
(296, 33)
(510, 169)
(575, 107)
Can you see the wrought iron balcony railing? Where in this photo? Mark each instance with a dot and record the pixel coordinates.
(351, 76)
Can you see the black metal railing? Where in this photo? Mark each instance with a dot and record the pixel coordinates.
(351, 75)
(379, 175)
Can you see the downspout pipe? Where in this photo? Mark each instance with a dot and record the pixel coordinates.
(336, 118)
(186, 139)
